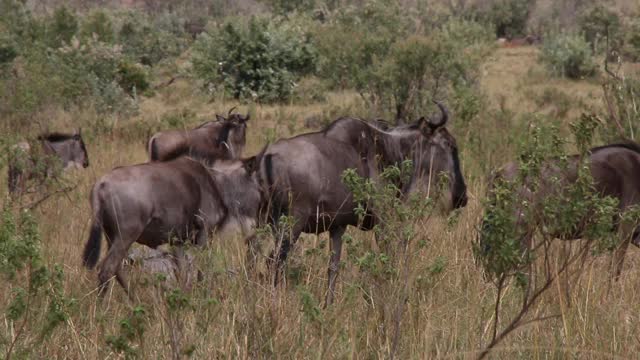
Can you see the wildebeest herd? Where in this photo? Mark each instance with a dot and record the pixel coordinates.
(196, 182)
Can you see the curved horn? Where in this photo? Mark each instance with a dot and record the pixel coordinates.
(231, 110)
(443, 117)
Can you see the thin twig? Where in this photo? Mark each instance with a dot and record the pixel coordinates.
(32, 205)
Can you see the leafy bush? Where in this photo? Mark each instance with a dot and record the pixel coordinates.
(99, 24)
(402, 76)
(132, 78)
(8, 51)
(622, 96)
(570, 55)
(355, 38)
(599, 22)
(287, 6)
(524, 214)
(64, 26)
(36, 302)
(309, 90)
(632, 41)
(53, 61)
(260, 60)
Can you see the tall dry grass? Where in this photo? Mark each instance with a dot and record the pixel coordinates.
(234, 314)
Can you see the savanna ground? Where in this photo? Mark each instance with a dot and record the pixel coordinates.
(233, 314)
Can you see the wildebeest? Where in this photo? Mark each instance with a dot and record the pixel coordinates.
(166, 202)
(38, 161)
(301, 176)
(615, 170)
(212, 140)
(164, 262)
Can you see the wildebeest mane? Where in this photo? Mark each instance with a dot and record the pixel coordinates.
(223, 136)
(206, 123)
(55, 137)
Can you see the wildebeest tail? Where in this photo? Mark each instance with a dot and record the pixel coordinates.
(91, 252)
(153, 149)
(277, 205)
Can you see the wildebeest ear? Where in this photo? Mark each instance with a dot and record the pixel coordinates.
(250, 164)
(220, 118)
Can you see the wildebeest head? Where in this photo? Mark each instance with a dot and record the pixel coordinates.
(436, 162)
(70, 148)
(233, 133)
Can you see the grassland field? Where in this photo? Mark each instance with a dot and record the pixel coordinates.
(448, 314)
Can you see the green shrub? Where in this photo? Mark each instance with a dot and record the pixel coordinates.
(35, 300)
(404, 76)
(309, 90)
(150, 42)
(632, 42)
(64, 25)
(355, 38)
(260, 60)
(100, 25)
(568, 54)
(287, 6)
(99, 73)
(132, 78)
(8, 51)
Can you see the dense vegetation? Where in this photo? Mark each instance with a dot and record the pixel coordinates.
(123, 71)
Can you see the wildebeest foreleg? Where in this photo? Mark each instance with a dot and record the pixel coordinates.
(334, 265)
(284, 239)
(253, 249)
(181, 262)
(619, 254)
(202, 231)
(626, 233)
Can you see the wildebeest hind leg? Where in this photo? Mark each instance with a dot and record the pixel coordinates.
(334, 265)
(626, 233)
(112, 263)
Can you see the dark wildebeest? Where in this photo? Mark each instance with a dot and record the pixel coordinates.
(301, 176)
(52, 149)
(159, 202)
(616, 173)
(213, 140)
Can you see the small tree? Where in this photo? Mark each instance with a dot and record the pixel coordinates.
(599, 23)
(509, 17)
(518, 230)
